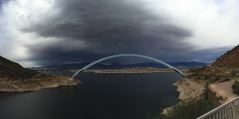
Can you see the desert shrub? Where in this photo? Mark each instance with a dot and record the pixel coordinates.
(224, 79)
(213, 79)
(191, 110)
(235, 87)
(235, 73)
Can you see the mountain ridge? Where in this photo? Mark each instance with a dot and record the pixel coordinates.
(13, 70)
(15, 78)
(119, 65)
(229, 59)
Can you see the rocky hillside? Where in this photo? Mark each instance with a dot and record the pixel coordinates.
(15, 78)
(12, 70)
(229, 59)
(207, 87)
(220, 75)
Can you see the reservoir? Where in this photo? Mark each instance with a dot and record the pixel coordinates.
(99, 96)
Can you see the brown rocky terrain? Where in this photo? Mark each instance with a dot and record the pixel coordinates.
(217, 77)
(190, 89)
(213, 83)
(15, 78)
(223, 90)
(14, 71)
(229, 59)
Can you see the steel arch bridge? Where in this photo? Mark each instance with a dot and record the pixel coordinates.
(127, 55)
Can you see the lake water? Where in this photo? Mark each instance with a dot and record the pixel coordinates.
(100, 96)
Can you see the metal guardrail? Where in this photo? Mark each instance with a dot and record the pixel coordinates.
(229, 110)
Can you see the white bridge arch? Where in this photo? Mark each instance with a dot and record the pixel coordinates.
(128, 55)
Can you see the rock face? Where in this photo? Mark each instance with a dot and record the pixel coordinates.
(190, 89)
(229, 59)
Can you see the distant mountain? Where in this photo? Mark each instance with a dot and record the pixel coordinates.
(189, 64)
(12, 70)
(176, 64)
(119, 65)
(74, 66)
(229, 59)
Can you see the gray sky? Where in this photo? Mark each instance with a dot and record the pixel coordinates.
(46, 32)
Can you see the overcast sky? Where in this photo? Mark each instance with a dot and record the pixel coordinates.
(47, 32)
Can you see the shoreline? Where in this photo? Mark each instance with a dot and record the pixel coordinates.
(31, 85)
(189, 90)
(133, 70)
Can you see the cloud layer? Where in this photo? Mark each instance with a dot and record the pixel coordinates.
(43, 32)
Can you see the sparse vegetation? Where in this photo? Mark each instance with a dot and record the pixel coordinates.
(214, 74)
(235, 73)
(195, 108)
(190, 110)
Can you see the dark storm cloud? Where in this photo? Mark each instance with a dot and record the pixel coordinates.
(2, 2)
(106, 27)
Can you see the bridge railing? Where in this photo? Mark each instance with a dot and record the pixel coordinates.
(229, 110)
